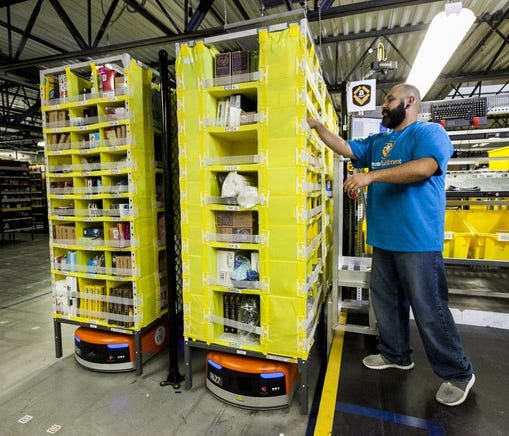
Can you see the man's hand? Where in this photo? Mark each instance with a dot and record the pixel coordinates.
(313, 124)
(357, 181)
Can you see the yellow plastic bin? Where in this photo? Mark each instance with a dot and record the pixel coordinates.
(491, 240)
(499, 165)
(458, 235)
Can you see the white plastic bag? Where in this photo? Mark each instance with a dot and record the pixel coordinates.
(232, 185)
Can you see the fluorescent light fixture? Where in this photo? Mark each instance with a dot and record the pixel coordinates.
(444, 35)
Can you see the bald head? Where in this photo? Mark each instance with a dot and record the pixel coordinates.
(401, 106)
(409, 92)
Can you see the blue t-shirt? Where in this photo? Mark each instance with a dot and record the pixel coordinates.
(405, 217)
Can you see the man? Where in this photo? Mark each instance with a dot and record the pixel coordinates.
(405, 218)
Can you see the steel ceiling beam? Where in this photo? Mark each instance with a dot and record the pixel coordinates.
(28, 29)
(32, 37)
(325, 5)
(114, 48)
(241, 9)
(289, 5)
(69, 24)
(198, 15)
(167, 15)
(397, 50)
(105, 23)
(149, 16)
(218, 16)
(505, 39)
(364, 8)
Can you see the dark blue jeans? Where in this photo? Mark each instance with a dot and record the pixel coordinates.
(400, 280)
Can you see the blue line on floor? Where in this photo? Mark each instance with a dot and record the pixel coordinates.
(434, 428)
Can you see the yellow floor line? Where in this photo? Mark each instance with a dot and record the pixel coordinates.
(327, 407)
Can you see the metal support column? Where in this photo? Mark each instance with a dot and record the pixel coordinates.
(174, 378)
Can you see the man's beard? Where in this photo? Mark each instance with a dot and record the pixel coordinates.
(394, 117)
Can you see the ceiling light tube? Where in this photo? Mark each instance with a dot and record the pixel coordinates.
(444, 35)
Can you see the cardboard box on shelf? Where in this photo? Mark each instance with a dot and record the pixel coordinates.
(123, 261)
(62, 115)
(64, 232)
(244, 219)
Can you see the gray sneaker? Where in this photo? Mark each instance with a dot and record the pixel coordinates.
(377, 361)
(453, 393)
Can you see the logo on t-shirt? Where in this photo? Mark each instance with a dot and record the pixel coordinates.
(386, 151)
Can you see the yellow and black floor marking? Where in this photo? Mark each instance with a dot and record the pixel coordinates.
(355, 400)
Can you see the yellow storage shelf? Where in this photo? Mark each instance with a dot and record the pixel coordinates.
(100, 156)
(289, 166)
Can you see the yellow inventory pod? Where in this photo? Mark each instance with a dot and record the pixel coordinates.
(290, 244)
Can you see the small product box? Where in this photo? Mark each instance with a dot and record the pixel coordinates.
(93, 139)
(120, 85)
(114, 237)
(124, 210)
(107, 78)
(225, 262)
(239, 62)
(60, 298)
(222, 69)
(72, 294)
(122, 262)
(226, 218)
(120, 235)
(62, 86)
(240, 224)
(93, 232)
(65, 232)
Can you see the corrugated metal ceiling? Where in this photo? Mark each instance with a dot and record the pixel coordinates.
(34, 34)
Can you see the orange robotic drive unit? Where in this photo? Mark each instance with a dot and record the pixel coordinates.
(102, 350)
(251, 382)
